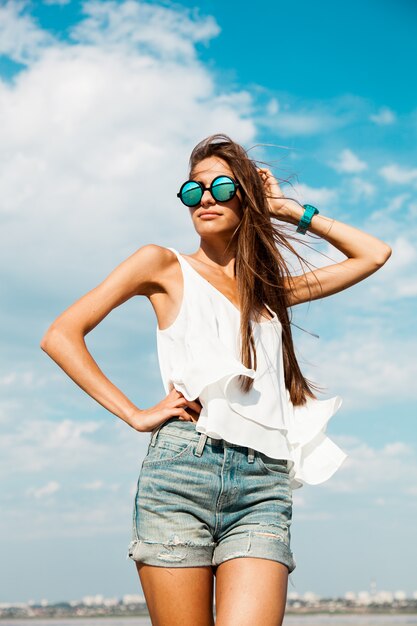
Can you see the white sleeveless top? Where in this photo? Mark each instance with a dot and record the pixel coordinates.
(199, 355)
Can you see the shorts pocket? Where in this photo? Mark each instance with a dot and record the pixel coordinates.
(271, 465)
(167, 448)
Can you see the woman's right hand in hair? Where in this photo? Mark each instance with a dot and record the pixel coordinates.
(173, 405)
(277, 202)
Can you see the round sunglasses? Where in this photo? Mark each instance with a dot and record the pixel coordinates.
(222, 188)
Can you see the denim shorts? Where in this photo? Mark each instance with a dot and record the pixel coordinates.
(202, 501)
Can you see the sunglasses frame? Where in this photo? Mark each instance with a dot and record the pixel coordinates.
(210, 189)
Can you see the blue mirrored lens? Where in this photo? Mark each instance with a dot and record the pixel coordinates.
(223, 189)
(191, 194)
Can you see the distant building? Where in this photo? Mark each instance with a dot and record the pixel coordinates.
(93, 600)
(350, 596)
(133, 598)
(400, 595)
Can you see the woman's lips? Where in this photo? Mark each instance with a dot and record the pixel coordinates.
(208, 215)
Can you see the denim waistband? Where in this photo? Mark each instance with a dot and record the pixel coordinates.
(187, 430)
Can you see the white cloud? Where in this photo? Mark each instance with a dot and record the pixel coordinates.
(321, 196)
(150, 29)
(316, 516)
(396, 279)
(272, 107)
(384, 117)
(299, 499)
(77, 454)
(394, 205)
(412, 209)
(97, 485)
(405, 256)
(349, 163)
(90, 130)
(8, 379)
(69, 517)
(21, 38)
(303, 123)
(69, 434)
(397, 448)
(29, 379)
(408, 289)
(369, 366)
(288, 118)
(394, 173)
(41, 492)
(369, 469)
(361, 188)
(33, 444)
(380, 501)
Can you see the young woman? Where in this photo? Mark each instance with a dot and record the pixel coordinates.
(239, 427)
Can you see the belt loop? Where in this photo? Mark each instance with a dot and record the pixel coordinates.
(201, 443)
(155, 434)
(251, 455)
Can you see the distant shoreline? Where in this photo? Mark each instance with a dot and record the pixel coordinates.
(289, 612)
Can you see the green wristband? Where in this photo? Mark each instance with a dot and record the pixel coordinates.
(305, 220)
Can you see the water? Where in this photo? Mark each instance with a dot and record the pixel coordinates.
(290, 620)
(350, 620)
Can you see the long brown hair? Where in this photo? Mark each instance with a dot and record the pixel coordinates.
(260, 267)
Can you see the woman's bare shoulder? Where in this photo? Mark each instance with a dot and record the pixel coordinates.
(151, 264)
(154, 254)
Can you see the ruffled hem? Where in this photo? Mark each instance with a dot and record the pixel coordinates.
(316, 457)
(293, 432)
(206, 362)
(316, 462)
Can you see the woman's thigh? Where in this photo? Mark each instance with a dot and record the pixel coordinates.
(178, 596)
(251, 591)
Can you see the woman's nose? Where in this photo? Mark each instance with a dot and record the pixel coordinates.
(207, 198)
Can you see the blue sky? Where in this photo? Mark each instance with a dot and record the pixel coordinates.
(101, 104)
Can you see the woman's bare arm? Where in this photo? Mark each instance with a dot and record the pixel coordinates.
(64, 339)
(366, 254)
